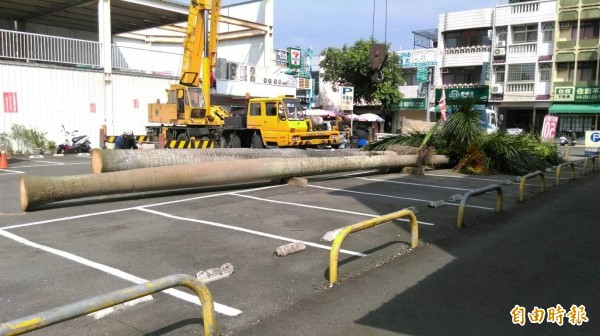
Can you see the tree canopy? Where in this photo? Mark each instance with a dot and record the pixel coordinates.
(350, 64)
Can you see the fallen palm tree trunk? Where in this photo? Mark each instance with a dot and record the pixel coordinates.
(108, 160)
(38, 190)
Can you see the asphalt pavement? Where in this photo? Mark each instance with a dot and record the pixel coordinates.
(534, 256)
(540, 255)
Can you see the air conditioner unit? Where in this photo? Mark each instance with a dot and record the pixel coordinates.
(497, 89)
(232, 71)
(252, 73)
(499, 51)
(221, 68)
(501, 44)
(565, 24)
(445, 70)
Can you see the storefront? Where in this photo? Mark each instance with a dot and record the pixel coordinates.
(578, 108)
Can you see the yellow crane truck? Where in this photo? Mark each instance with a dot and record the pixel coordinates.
(189, 114)
(275, 122)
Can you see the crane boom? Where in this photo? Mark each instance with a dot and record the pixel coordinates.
(200, 45)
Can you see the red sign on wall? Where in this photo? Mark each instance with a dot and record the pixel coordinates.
(136, 103)
(92, 107)
(549, 128)
(10, 102)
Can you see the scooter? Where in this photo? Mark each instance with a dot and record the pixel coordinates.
(76, 143)
(565, 142)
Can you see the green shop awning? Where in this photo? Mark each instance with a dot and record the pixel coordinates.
(574, 108)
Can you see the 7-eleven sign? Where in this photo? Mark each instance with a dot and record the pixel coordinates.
(294, 58)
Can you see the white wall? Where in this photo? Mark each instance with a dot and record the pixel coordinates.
(49, 97)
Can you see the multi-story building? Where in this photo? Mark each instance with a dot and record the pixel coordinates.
(502, 58)
(576, 87)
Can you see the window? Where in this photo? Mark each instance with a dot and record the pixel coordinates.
(565, 71)
(255, 109)
(271, 109)
(545, 72)
(466, 38)
(521, 73)
(588, 30)
(501, 33)
(586, 71)
(500, 72)
(468, 75)
(525, 34)
(548, 32)
(410, 76)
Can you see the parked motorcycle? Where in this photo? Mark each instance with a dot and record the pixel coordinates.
(74, 143)
(565, 142)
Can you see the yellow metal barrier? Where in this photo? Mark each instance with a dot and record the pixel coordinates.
(80, 308)
(138, 138)
(179, 144)
(594, 158)
(522, 185)
(571, 164)
(465, 198)
(337, 243)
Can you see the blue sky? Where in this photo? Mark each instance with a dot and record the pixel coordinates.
(332, 23)
(319, 24)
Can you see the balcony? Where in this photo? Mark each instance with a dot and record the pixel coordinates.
(466, 56)
(525, 8)
(528, 48)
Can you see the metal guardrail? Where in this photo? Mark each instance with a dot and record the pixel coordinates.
(524, 178)
(571, 164)
(85, 54)
(339, 239)
(45, 48)
(80, 308)
(466, 196)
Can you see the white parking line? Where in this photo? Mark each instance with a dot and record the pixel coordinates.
(411, 183)
(128, 209)
(466, 178)
(322, 208)
(10, 172)
(225, 310)
(254, 232)
(397, 197)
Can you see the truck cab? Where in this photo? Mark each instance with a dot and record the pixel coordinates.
(275, 122)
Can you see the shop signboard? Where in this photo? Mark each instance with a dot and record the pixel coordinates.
(577, 94)
(478, 94)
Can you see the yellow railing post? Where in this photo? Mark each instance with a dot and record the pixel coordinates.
(80, 308)
(571, 164)
(522, 184)
(465, 198)
(339, 239)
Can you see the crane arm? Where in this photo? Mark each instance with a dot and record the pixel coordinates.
(200, 47)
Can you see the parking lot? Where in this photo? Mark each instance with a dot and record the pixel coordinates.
(72, 250)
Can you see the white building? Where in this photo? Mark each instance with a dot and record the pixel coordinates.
(501, 57)
(58, 67)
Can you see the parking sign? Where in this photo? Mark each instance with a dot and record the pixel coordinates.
(347, 98)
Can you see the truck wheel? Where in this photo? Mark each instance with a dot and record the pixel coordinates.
(257, 141)
(223, 142)
(236, 142)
